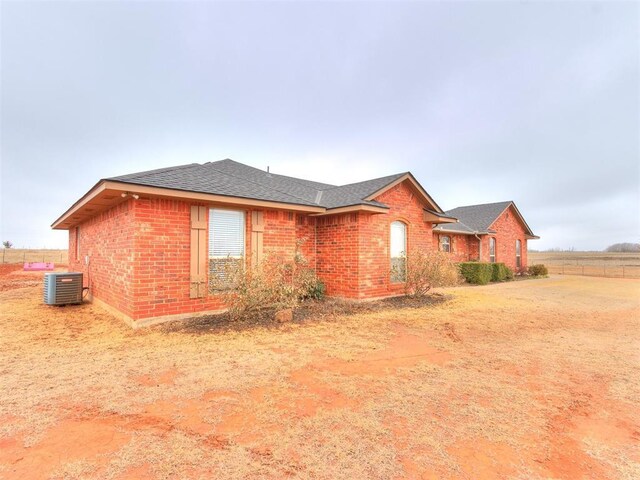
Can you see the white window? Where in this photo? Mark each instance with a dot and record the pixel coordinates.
(398, 248)
(445, 243)
(518, 254)
(226, 242)
(492, 250)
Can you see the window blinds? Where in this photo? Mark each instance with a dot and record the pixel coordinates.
(398, 239)
(226, 233)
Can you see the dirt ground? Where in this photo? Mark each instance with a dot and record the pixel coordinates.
(528, 379)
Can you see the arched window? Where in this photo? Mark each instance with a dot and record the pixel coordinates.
(445, 243)
(518, 254)
(492, 250)
(398, 248)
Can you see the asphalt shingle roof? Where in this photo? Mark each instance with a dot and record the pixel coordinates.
(478, 218)
(355, 193)
(230, 178)
(454, 228)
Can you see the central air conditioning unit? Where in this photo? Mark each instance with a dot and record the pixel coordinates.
(62, 288)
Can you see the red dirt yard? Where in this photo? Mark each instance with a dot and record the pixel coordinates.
(531, 379)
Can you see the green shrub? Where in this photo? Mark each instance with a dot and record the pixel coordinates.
(478, 273)
(427, 270)
(510, 273)
(538, 270)
(499, 272)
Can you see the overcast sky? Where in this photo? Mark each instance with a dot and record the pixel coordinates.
(482, 101)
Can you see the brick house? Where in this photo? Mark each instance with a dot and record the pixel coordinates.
(149, 243)
(491, 232)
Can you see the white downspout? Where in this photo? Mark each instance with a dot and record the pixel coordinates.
(475, 234)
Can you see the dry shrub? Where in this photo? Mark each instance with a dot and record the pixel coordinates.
(427, 270)
(278, 282)
(538, 270)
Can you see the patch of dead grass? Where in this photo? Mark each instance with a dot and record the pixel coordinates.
(376, 392)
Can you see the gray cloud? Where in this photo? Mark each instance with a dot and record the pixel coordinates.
(482, 101)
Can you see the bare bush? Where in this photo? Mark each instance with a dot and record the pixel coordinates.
(278, 282)
(427, 270)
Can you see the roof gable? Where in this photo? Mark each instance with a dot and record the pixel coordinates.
(355, 193)
(415, 185)
(479, 218)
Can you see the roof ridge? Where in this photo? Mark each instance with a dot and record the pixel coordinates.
(155, 170)
(482, 204)
(256, 183)
(397, 175)
(295, 179)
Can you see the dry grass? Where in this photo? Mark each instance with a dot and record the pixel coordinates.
(21, 255)
(596, 264)
(533, 379)
(613, 259)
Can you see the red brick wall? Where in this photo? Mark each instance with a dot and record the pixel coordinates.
(337, 244)
(509, 229)
(140, 254)
(306, 238)
(464, 248)
(473, 245)
(279, 233)
(353, 256)
(162, 261)
(162, 264)
(108, 240)
(374, 255)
